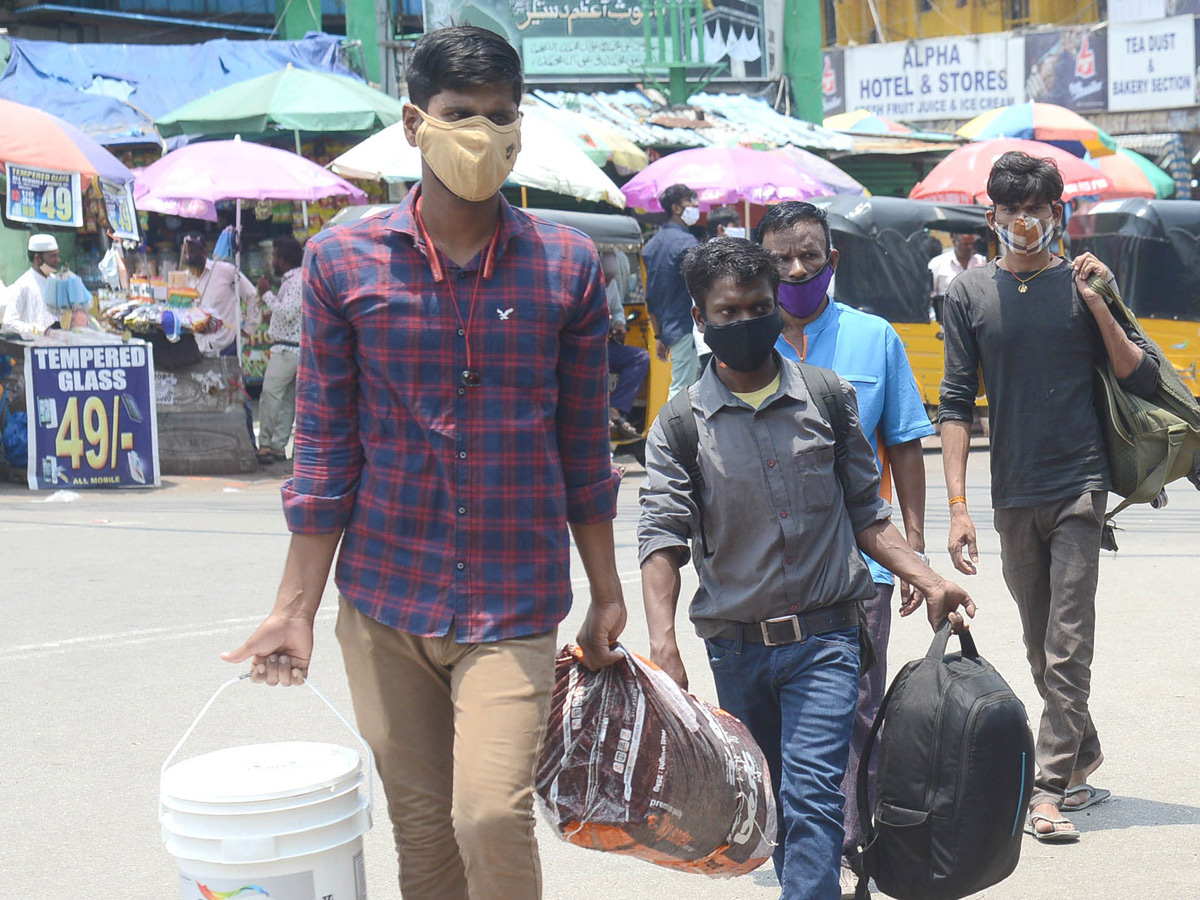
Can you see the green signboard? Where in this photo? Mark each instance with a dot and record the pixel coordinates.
(570, 39)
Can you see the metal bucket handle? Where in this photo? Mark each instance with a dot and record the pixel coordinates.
(211, 700)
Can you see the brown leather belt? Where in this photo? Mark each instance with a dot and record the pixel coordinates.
(793, 629)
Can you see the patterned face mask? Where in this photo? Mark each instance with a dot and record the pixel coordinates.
(1026, 234)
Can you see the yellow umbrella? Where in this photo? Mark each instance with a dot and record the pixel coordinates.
(599, 140)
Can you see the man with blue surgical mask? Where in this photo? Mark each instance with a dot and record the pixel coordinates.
(667, 299)
(867, 352)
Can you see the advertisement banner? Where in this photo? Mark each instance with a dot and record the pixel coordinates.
(940, 78)
(43, 196)
(833, 83)
(118, 203)
(1068, 67)
(1152, 65)
(578, 38)
(92, 418)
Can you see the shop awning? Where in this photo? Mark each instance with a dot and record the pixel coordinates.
(706, 120)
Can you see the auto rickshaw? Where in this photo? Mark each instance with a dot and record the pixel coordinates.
(619, 234)
(884, 246)
(1153, 246)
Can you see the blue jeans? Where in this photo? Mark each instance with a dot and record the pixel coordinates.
(630, 365)
(685, 365)
(798, 701)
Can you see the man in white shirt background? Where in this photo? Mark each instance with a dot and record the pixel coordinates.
(950, 264)
(25, 310)
(225, 292)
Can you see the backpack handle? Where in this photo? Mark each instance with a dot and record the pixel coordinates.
(941, 641)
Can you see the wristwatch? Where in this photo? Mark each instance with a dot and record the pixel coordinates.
(922, 557)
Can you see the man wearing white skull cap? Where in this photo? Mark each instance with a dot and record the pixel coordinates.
(26, 310)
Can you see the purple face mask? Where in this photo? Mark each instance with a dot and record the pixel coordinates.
(801, 298)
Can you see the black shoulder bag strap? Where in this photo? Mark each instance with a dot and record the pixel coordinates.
(826, 389)
(683, 437)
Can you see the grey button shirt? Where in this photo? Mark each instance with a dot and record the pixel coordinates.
(779, 528)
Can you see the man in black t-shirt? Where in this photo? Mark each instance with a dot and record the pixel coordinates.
(1029, 322)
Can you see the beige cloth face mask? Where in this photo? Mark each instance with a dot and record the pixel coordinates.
(472, 156)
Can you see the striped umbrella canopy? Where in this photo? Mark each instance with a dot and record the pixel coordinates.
(30, 137)
(864, 122)
(962, 176)
(861, 121)
(1133, 175)
(600, 141)
(1043, 122)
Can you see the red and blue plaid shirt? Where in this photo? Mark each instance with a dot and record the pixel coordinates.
(455, 500)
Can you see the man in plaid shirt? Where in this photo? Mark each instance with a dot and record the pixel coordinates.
(452, 422)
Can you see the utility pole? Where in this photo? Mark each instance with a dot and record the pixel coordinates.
(802, 40)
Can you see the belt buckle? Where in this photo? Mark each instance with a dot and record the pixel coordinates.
(797, 630)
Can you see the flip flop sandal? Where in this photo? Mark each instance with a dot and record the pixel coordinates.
(1051, 837)
(1093, 796)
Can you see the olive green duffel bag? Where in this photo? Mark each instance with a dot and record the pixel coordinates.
(1150, 443)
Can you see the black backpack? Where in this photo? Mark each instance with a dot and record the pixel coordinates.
(955, 778)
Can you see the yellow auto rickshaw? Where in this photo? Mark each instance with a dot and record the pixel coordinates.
(1153, 246)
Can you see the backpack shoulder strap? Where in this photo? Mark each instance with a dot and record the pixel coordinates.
(826, 389)
(683, 437)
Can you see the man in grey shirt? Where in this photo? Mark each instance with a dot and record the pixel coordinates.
(1036, 330)
(781, 509)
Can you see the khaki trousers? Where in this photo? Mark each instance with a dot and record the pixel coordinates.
(1051, 560)
(277, 402)
(456, 730)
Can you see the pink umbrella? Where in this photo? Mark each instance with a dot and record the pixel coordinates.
(235, 170)
(720, 176)
(962, 176)
(238, 170)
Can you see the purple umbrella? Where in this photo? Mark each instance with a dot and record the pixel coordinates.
(238, 170)
(822, 170)
(721, 176)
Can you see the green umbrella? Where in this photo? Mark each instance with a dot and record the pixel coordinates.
(1163, 184)
(291, 99)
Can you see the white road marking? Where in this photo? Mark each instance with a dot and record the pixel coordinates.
(175, 632)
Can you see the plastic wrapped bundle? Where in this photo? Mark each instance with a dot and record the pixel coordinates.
(66, 290)
(634, 765)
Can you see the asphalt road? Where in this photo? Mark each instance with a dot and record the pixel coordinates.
(115, 606)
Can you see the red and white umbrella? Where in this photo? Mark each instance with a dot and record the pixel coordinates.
(962, 176)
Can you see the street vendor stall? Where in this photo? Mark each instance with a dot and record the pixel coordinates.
(72, 402)
(203, 422)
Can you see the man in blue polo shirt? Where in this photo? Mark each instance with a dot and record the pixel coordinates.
(667, 299)
(866, 351)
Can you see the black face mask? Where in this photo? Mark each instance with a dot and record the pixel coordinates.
(746, 345)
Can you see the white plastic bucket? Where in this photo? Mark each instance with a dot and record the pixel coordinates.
(282, 821)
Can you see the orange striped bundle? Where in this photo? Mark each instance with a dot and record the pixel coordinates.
(634, 765)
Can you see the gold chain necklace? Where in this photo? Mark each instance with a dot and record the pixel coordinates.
(1022, 289)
